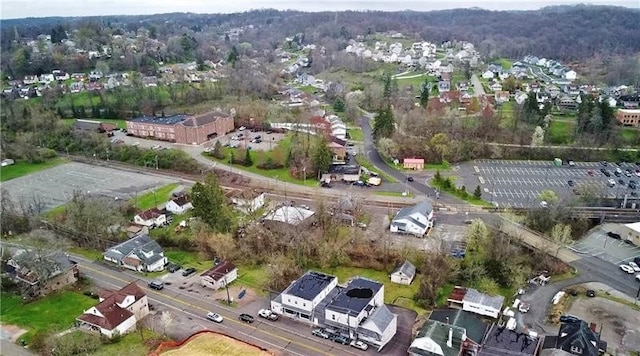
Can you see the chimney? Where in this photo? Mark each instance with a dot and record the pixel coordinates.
(450, 340)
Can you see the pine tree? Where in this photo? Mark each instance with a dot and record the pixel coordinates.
(477, 193)
(384, 124)
(210, 206)
(424, 94)
(338, 105)
(248, 161)
(321, 156)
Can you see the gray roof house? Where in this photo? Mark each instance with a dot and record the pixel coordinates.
(576, 338)
(437, 338)
(404, 273)
(415, 219)
(140, 253)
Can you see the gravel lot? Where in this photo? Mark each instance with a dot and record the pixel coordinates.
(55, 186)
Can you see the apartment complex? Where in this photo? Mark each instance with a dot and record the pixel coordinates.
(186, 129)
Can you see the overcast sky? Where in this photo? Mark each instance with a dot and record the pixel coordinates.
(10, 9)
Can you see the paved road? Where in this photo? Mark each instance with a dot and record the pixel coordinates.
(539, 73)
(7, 348)
(478, 89)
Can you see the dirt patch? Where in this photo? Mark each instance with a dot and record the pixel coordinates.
(11, 332)
(248, 297)
(618, 322)
(210, 343)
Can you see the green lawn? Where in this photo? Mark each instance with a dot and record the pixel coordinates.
(393, 194)
(86, 253)
(188, 259)
(55, 312)
(505, 63)
(630, 135)
(469, 198)
(416, 82)
(392, 292)
(122, 124)
(560, 132)
(442, 166)
(155, 197)
(21, 168)
(131, 345)
(254, 277)
(356, 134)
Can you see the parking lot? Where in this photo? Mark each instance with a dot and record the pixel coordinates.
(519, 183)
(597, 243)
(55, 186)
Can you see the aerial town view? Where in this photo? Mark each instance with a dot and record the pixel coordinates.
(315, 179)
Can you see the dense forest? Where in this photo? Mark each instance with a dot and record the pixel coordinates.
(564, 32)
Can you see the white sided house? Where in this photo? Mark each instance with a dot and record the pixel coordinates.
(219, 276)
(140, 253)
(414, 220)
(117, 312)
(404, 273)
(179, 205)
(301, 300)
(151, 217)
(473, 301)
(247, 201)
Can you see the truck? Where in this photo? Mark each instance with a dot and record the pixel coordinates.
(375, 181)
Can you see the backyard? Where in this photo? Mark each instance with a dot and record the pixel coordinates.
(155, 197)
(22, 168)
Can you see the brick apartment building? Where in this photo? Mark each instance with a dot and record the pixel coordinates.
(188, 129)
(629, 117)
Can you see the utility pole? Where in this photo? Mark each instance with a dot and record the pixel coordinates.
(226, 286)
(156, 162)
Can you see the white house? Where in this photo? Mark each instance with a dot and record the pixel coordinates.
(488, 74)
(219, 276)
(415, 219)
(30, 79)
(47, 78)
(473, 301)
(139, 253)
(179, 205)
(359, 310)
(404, 273)
(247, 200)
(117, 312)
(151, 217)
(303, 295)
(571, 75)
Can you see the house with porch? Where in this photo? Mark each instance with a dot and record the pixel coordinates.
(248, 200)
(415, 219)
(302, 298)
(179, 205)
(117, 313)
(471, 300)
(140, 253)
(219, 276)
(338, 153)
(151, 217)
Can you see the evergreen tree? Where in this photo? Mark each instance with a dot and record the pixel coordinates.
(531, 109)
(384, 124)
(217, 150)
(60, 113)
(477, 193)
(321, 156)
(233, 56)
(248, 161)
(424, 94)
(338, 105)
(209, 204)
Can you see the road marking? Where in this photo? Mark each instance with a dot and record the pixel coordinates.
(206, 310)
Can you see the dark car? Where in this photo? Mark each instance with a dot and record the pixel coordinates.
(173, 267)
(410, 179)
(246, 318)
(569, 319)
(189, 271)
(571, 183)
(613, 235)
(341, 339)
(618, 174)
(157, 285)
(628, 242)
(621, 182)
(604, 163)
(637, 260)
(591, 293)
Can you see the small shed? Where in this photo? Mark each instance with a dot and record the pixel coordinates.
(404, 273)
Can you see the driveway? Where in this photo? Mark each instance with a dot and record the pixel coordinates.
(402, 340)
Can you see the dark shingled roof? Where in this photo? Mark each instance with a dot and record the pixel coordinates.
(309, 285)
(219, 271)
(204, 119)
(474, 326)
(114, 315)
(580, 336)
(502, 341)
(343, 303)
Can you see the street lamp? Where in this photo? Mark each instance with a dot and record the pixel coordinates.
(304, 172)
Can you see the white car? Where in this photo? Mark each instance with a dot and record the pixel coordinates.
(627, 268)
(635, 267)
(267, 314)
(359, 345)
(524, 307)
(215, 317)
(638, 277)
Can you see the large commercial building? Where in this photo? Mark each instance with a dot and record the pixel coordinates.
(629, 117)
(188, 129)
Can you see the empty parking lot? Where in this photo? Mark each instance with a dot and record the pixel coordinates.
(519, 183)
(55, 186)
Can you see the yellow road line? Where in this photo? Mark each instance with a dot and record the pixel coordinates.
(206, 310)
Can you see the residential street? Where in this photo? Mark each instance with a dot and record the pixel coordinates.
(478, 89)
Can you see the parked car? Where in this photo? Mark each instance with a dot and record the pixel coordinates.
(410, 178)
(189, 271)
(591, 293)
(524, 307)
(611, 183)
(157, 285)
(173, 267)
(628, 173)
(638, 277)
(359, 345)
(267, 314)
(590, 173)
(246, 318)
(571, 163)
(320, 333)
(341, 339)
(637, 260)
(215, 317)
(571, 183)
(613, 235)
(621, 182)
(569, 319)
(627, 268)
(635, 267)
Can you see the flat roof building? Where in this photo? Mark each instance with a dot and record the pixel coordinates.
(182, 128)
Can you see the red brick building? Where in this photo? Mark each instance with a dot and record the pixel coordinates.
(629, 117)
(188, 129)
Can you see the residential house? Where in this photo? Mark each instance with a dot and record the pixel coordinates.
(415, 219)
(358, 310)
(473, 301)
(495, 86)
(41, 272)
(301, 300)
(150, 81)
(139, 253)
(76, 87)
(30, 79)
(60, 75)
(248, 200)
(444, 86)
(404, 273)
(95, 75)
(571, 75)
(338, 153)
(488, 74)
(151, 217)
(502, 341)
(417, 164)
(219, 276)
(79, 76)
(501, 96)
(567, 103)
(288, 215)
(345, 173)
(117, 313)
(179, 205)
(575, 338)
(438, 339)
(475, 328)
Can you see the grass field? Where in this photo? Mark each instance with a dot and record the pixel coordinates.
(131, 345)
(505, 63)
(630, 135)
(216, 344)
(560, 132)
(415, 82)
(22, 168)
(254, 277)
(356, 134)
(122, 124)
(393, 194)
(392, 291)
(188, 259)
(55, 312)
(156, 197)
(86, 253)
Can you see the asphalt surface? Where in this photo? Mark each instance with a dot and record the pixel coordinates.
(478, 89)
(518, 184)
(597, 244)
